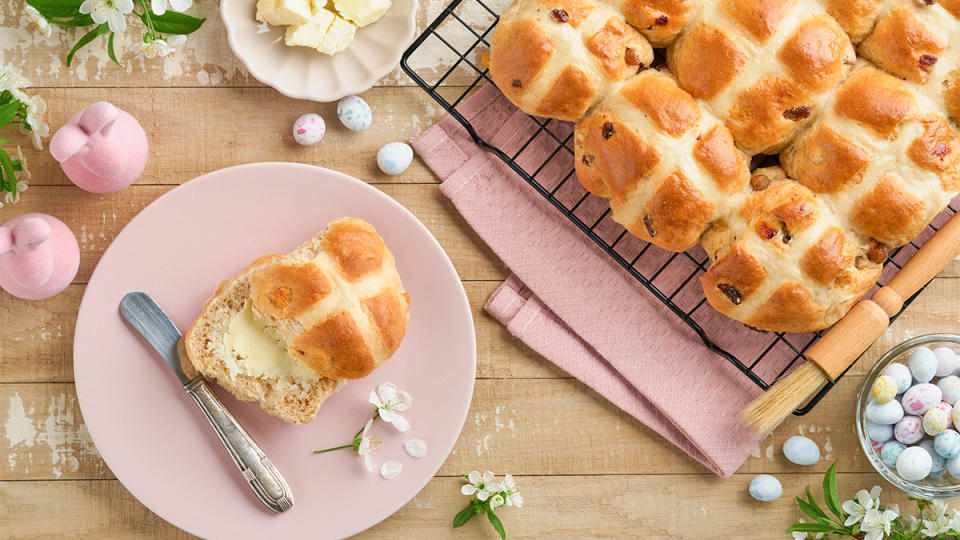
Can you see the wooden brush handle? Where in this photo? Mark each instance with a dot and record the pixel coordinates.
(867, 321)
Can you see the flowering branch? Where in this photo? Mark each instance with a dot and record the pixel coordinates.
(17, 108)
(110, 17)
(487, 495)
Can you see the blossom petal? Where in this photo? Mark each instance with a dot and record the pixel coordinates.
(176, 41)
(851, 519)
(474, 477)
(87, 6)
(508, 482)
(388, 392)
(158, 6)
(517, 500)
(400, 423)
(468, 489)
(864, 499)
(374, 399)
(123, 6)
(875, 492)
(496, 502)
(180, 5)
(367, 462)
(404, 401)
(487, 477)
(483, 495)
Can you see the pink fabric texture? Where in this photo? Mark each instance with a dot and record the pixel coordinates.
(569, 301)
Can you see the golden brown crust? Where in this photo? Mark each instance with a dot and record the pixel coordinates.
(951, 95)
(388, 310)
(659, 20)
(903, 45)
(673, 110)
(356, 247)
(875, 100)
(788, 203)
(677, 214)
(937, 149)
(856, 17)
(608, 45)
(288, 290)
(826, 260)
(570, 95)
(706, 60)
(952, 7)
(334, 347)
(759, 117)
(716, 152)
(736, 275)
(760, 18)
(576, 10)
(815, 53)
(889, 213)
(790, 308)
(824, 161)
(612, 159)
(520, 51)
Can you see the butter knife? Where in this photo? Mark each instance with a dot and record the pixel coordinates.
(144, 315)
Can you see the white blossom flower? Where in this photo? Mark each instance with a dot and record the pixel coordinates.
(390, 402)
(11, 80)
(112, 12)
(160, 6)
(877, 524)
(513, 497)
(35, 18)
(910, 524)
(864, 503)
(364, 446)
(36, 108)
(955, 521)
(481, 486)
(496, 501)
(162, 47)
(935, 520)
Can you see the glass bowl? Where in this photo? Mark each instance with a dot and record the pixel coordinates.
(944, 487)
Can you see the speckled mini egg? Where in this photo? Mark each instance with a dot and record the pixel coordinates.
(765, 488)
(880, 433)
(923, 364)
(801, 450)
(876, 445)
(883, 389)
(950, 386)
(914, 464)
(901, 373)
(953, 466)
(946, 361)
(947, 408)
(354, 113)
(309, 129)
(891, 451)
(947, 444)
(885, 413)
(909, 429)
(938, 464)
(935, 421)
(394, 158)
(920, 398)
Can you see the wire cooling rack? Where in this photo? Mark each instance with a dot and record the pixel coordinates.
(447, 61)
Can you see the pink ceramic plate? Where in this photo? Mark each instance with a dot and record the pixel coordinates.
(157, 442)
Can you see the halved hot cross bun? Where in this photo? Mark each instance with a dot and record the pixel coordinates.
(669, 167)
(881, 156)
(556, 58)
(784, 261)
(764, 66)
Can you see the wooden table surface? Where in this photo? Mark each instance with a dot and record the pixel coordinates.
(585, 468)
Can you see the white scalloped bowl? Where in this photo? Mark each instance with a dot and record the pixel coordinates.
(303, 73)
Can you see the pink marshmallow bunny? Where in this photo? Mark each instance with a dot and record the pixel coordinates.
(39, 256)
(102, 149)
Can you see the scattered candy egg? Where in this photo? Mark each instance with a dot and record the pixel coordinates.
(354, 113)
(416, 448)
(953, 466)
(947, 408)
(923, 364)
(909, 429)
(891, 451)
(876, 445)
(946, 361)
(875, 432)
(802, 451)
(947, 444)
(391, 469)
(950, 386)
(956, 414)
(886, 413)
(920, 398)
(884, 389)
(914, 464)
(394, 158)
(766, 488)
(938, 464)
(901, 373)
(935, 421)
(309, 129)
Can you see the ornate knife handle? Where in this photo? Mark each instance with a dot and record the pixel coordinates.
(261, 474)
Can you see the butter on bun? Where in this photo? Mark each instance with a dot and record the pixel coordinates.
(289, 329)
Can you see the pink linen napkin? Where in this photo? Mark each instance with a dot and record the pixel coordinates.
(569, 301)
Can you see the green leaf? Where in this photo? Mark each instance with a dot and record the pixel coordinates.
(110, 52)
(57, 9)
(8, 112)
(172, 22)
(86, 39)
(79, 20)
(497, 525)
(830, 494)
(810, 527)
(813, 511)
(10, 183)
(463, 516)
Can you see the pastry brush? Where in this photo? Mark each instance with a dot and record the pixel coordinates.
(840, 346)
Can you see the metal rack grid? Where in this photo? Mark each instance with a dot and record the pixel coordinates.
(464, 28)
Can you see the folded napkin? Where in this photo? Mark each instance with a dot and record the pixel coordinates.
(570, 302)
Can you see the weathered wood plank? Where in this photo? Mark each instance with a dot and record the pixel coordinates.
(615, 506)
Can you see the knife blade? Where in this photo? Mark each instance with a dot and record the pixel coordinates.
(148, 318)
